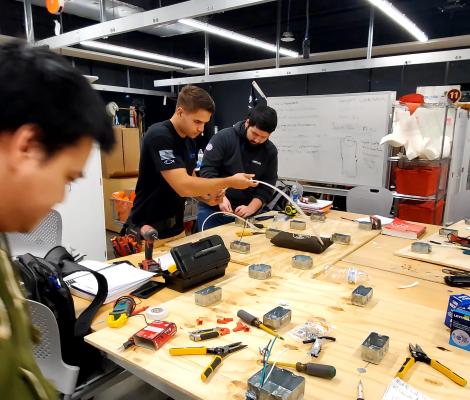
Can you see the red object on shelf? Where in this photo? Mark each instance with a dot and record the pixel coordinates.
(417, 181)
(421, 211)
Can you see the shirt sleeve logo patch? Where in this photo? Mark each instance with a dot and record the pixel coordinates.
(167, 156)
(209, 147)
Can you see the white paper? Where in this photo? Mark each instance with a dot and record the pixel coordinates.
(315, 206)
(122, 279)
(383, 220)
(399, 390)
(166, 261)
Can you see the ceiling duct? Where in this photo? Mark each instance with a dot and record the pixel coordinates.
(90, 9)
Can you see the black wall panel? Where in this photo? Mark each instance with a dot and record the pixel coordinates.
(459, 72)
(338, 82)
(231, 101)
(284, 86)
(110, 74)
(388, 78)
(422, 75)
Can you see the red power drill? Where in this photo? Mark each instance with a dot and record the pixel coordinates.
(149, 234)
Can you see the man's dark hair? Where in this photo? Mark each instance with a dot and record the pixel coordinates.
(41, 88)
(263, 117)
(192, 98)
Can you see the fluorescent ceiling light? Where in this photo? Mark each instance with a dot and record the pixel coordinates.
(237, 37)
(400, 18)
(126, 51)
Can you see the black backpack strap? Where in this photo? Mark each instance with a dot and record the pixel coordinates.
(61, 257)
(82, 326)
(58, 254)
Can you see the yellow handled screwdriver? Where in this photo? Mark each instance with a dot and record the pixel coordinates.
(253, 321)
(418, 354)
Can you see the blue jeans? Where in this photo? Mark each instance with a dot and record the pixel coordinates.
(203, 211)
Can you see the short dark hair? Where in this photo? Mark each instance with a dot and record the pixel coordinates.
(41, 88)
(192, 98)
(263, 117)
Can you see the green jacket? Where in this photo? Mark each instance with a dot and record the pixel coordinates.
(20, 377)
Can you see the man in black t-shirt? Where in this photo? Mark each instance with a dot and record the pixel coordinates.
(167, 162)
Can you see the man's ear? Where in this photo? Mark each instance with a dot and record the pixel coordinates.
(25, 146)
(246, 123)
(179, 111)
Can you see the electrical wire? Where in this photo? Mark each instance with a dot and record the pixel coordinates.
(269, 348)
(294, 204)
(307, 22)
(299, 210)
(274, 363)
(288, 15)
(141, 315)
(230, 214)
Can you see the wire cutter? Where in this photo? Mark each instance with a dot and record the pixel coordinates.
(418, 354)
(220, 352)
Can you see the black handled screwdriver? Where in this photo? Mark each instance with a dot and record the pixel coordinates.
(312, 369)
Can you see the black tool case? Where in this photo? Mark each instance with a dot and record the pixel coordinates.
(198, 263)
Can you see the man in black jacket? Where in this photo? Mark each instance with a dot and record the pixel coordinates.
(245, 147)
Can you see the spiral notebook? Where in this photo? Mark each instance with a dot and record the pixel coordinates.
(122, 279)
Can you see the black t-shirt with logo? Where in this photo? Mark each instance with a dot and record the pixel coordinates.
(162, 149)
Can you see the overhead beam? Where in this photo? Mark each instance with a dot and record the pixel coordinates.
(115, 59)
(347, 54)
(159, 16)
(125, 89)
(380, 62)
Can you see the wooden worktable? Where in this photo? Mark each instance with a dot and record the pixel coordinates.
(408, 315)
(445, 256)
(385, 314)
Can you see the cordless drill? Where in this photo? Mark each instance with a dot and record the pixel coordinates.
(149, 234)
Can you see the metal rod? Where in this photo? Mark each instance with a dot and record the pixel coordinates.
(376, 62)
(206, 54)
(370, 39)
(102, 10)
(28, 21)
(278, 30)
(128, 77)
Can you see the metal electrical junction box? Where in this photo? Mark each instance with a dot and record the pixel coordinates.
(277, 317)
(208, 295)
(374, 348)
(281, 385)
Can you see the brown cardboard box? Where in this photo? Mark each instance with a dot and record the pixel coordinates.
(131, 148)
(109, 187)
(123, 161)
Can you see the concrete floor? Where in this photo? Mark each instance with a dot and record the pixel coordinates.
(131, 388)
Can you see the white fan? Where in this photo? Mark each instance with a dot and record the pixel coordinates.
(112, 108)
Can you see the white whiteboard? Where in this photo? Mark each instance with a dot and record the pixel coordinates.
(333, 138)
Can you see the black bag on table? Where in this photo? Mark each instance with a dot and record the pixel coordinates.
(301, 242)
(43, 280)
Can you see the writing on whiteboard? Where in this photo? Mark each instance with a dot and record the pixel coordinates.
(332, 138)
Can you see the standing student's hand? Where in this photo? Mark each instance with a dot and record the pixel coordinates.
(241, 181)
(225, 205)
(244, 211)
